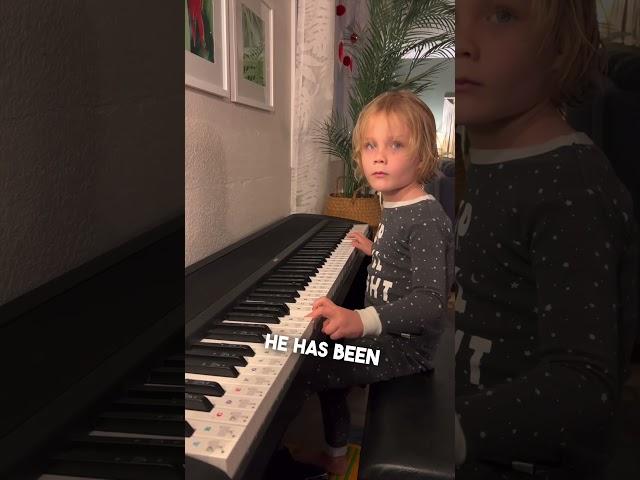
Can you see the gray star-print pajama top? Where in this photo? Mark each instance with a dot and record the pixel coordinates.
(409, 277)
(545, 309)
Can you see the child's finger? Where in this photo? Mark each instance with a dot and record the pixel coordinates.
(316, 312)
(338, 334)
(322, 301)
(329, 327)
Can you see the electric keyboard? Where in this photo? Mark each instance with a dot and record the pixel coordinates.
(232, 382)
(129, 381)
(74, 351)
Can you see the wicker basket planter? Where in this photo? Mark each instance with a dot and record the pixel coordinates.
(364, 209)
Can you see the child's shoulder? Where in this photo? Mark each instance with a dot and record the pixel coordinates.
(424, 214)
(577, 166)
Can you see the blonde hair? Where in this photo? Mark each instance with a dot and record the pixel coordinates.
(572, 28)
(419, 119)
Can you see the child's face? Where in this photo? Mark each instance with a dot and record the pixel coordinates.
(501, 71)
(388, 164)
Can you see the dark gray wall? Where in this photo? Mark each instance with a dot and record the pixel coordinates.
(91, 130)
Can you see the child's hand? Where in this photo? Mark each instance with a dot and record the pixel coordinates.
(340, 322)
(361, 242)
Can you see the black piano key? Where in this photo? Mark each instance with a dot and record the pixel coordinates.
(204, 387)
(255, 317)
(233, 348)
(287, 280)
(188, 429)
(308, 256)
(156, 391)
(272, 296)
(283, 283)
(209, 367)
(311, 261)
(220, 357)
(289, 276)
(149, 404)
(302, 263)
(236, 337)
(148, 423)
(264, 302)
(197, 402)
(176, 361)
(166, 376)
(237, 327)
(165, 446)
(278, 310)
(115, 457)
(305, 270)
(285, 290)
(323, 252)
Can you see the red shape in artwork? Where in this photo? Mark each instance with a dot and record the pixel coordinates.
(346, 61)
(340, 51)
(354, 37)
(195, 16)
(340, 9)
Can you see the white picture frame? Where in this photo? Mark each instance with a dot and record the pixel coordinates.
(251, 84)
(201, 73)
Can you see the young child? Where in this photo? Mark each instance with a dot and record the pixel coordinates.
(394, 143)
(545, 248)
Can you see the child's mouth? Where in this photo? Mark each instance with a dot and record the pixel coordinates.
(465, 84)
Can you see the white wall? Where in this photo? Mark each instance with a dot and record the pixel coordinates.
(90, 131)
(237, 158)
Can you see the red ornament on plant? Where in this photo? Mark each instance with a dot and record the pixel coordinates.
(346, 61)
(354, 37)
(340, 9)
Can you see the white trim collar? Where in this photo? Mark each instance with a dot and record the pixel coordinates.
(404, 203)
(488, 157)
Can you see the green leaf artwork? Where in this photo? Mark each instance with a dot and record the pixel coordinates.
(254, 46)
(199, 28)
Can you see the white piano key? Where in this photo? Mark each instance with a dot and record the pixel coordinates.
(205, 429)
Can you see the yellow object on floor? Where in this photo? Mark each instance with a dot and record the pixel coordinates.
(353, 454)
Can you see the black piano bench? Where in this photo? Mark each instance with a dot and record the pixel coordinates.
(409, 424)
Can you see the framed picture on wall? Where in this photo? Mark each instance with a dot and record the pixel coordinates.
(251, 28)
(206, 58)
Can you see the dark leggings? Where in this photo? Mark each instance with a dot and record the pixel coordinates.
(332, 380)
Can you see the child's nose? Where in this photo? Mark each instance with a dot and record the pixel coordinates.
(466, 43)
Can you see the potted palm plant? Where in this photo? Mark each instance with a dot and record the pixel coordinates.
(396, 30)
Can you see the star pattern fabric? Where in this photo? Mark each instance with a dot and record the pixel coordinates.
(410, 275)
(546, 291)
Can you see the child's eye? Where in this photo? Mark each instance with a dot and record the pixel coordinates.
(396, 145)
(368, 146)
(502, 15)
